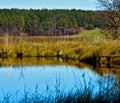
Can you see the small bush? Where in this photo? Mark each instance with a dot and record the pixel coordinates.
(90, 27)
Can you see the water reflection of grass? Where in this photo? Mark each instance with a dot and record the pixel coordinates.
(108, 93)
(41, 61)
(56, 61)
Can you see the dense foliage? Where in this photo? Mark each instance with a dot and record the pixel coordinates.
(47, 22)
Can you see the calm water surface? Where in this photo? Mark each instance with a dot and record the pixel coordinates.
(49, 79)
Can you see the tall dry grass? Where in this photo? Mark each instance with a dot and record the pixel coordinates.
(73, 47)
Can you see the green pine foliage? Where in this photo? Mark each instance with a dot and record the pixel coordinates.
(47, 22)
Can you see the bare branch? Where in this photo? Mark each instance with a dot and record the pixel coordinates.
(113, 9)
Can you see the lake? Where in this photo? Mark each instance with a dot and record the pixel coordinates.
(50, 80)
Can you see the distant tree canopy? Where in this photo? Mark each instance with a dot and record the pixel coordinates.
(47, 22)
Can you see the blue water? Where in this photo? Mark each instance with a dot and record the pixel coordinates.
(48, 79)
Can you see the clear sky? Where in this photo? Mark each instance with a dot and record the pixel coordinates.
(50, 4)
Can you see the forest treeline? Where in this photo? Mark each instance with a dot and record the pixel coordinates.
(46, 22)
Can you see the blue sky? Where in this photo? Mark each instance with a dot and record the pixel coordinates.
(50, 4)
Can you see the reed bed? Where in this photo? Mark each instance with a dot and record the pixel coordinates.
(72, 47)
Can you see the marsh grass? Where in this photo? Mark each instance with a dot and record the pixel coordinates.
(79, 47)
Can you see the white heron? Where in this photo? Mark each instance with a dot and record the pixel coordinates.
(60, 52)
